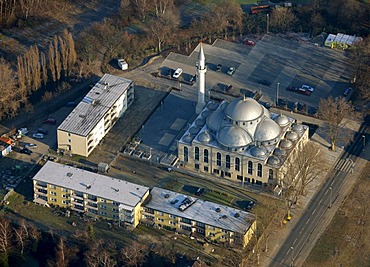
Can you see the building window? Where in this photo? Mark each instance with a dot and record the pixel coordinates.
(64, 190)
(69, 140)
(196, 166)
(196, 154)
(115, 216)
(115, 210)
(250, 167)
(237, 164)
(53, 193)
(216, 171)
(206, 168)
(103, 213)
(185, 220)
(53, 199)
(205, 155)
(218, 159)
(228, 174)
(201, 231)
(172, 216)
(160, 213)
(239, 177)
(53, 186)
(160, 220)
(228, 161)
(64, 196)
(186, 154)
(115, 203)
(259, 170)
(211, 234)
(271, 174)
(65, 202)
(103, 207)
(211, 228)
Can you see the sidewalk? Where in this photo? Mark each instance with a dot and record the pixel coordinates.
(275, 241)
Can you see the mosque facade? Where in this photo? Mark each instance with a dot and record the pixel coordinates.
(240, 140)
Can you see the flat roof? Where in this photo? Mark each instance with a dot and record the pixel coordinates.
(202, 211)
(91, 183)
(86, 115)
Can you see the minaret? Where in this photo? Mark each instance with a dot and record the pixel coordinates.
(201, 70)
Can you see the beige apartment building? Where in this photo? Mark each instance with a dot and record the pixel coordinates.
(87, 192)
(95, 115)
(198, 218)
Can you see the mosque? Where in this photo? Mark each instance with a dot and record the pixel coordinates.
(239, 140)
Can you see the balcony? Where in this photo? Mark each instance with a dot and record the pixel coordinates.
(78, 208)
(42, 192)
(41, 185)
(77, 196)
(77, 200)
(92, 205)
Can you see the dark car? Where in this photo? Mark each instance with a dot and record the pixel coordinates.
(50, 121)
(264, 82)
(249, 42)
(25, 151)
(229, 87)
(282, 102)
(347, 91)
(219, 67)
(292, 88)
(193, 79)
(200, 191)
(302, 107)
(42, 131)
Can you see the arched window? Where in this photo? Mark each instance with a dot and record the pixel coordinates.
(196, 154)
(250, 167)
(205, 154)
(271, 174)
(237, 164)
(259, 170)
(218, 159)
(228, 161)
(186, 154)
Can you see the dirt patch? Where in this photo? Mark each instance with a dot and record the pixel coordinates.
(346, 241)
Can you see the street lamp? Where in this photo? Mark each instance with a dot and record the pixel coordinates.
(277, 94)
(364, 142)
(292, 263)
(267, 24)
(330, 196)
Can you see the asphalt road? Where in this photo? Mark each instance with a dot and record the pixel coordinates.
(290, 250)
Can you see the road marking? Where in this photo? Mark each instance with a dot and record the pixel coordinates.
(314, 211)
(287, 252)
(308, 220)
(294, 241)
(332, 182)
(320, 201)
(326, 192)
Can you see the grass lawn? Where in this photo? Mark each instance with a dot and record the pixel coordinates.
(346, 241)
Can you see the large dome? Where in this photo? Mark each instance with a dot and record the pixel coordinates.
(233, 136)
(267, 130)
(244, 109)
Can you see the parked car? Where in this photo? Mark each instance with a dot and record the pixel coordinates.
(193, 79)
(282, 103)
(219, 67)
(23, 131)
(249, 42)
(26, 151)
(347, 91)
(200, 191)
(38, 136)
(231, 71)
(177, 73)
(50, 121)
(264, 82)
(30, 145)
(42, 131)
(122, 64)
(307, 87)
(229, 87)
(250, 206)
(302, 107)
(299, 90)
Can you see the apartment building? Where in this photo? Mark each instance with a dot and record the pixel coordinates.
(173, 211)
(95, 115)
(94, 194)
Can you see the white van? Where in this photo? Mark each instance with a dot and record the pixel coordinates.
(122, 64)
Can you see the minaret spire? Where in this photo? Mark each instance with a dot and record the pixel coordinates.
(201, 70)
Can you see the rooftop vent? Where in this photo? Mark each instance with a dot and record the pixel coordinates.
(166, 195)
(174, 201)
(218, 210)
(236, 215)
(115, 189)
(69, 174)
(88, 186)
(223, 216)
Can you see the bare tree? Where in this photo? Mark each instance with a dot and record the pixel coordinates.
(282, 18)
(21, 237)
(5, 236)
(10, 96)
(35, 236)
(100, 254)
(134, 254)
(162, 6)
(142, 8)
(333, 112)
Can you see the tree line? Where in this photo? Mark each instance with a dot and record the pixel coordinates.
(34, 70)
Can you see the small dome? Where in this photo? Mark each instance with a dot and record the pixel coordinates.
(273, 160)
(258, 151)
(212, 106)
(205, 137)
(194, 130)
(285, 144)
(266, 130)
(279, 152)
(214, 120)
(206, 113)
(281, 120)
(200, 122)
(298, 128)
(292, 136)
(244, 109)
(188, 138)
(233, 136)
